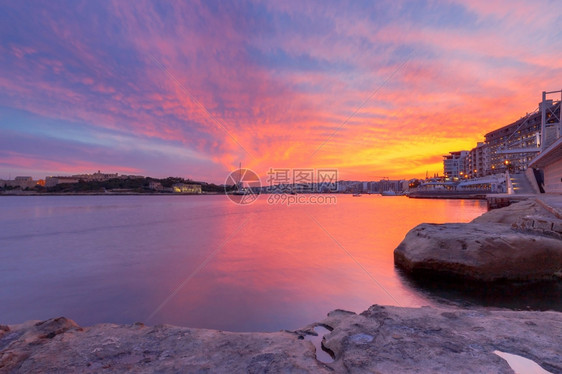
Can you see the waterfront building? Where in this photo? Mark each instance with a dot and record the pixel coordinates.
(25, 182)
(131, 176)
(437, 185)
(21, 182)
(513, 146)
(344, 186)
(186, 188)
(550, 161)
(389, 185)
(551, 119)
(156, 186)
(53, 181)
(96, 177)
(490, 183)
(454, 164)
(477, 161)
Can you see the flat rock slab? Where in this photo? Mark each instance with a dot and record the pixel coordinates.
(480, 252)
(435, 340)
(379, 340)
(514, 213)
(61, 346)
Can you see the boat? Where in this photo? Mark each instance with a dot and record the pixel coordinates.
(388, 193)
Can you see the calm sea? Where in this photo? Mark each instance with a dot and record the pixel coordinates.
(203, 261)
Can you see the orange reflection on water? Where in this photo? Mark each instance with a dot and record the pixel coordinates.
(287, 266)
(203, 261)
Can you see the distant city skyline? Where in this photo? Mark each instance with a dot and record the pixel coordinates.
(192, 89)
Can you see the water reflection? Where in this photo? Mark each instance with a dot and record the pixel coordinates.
(545, 295)
(203, 261)
(322, 354)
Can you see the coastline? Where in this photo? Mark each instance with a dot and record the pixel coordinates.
(384, 339)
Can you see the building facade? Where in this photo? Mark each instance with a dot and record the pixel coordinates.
(187, 188)
(511, 147)
(477, 162)
(504, 143)
(550, 161)
(96, 177)
(454, 164)
(21, 182)
(53, 181)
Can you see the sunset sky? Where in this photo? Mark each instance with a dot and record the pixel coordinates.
(192, 88)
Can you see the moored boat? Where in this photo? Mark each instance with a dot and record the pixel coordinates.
(388, 193)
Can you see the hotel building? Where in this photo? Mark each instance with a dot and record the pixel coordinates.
(454, 164)
(511, 147)
(504, 143)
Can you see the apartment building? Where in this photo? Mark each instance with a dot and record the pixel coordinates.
(454, 164)
(503, 144)
(477, 161)
(511, 147)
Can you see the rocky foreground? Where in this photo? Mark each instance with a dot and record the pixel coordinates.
(520, 242)
(379, 340)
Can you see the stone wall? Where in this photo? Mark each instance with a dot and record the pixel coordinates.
(553, 177)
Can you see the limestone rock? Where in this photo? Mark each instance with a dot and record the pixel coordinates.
(435, 340)
(61, 346)
(379, 340)
(480, 252)
(514, 213)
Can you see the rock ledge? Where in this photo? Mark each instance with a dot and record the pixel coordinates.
(381, 339)
(505, 244)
